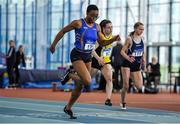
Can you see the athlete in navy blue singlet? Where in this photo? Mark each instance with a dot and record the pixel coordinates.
(87, 32)
(133, 52)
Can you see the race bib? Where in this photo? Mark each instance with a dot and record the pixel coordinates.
(136, 54)
(106, 52)
(89, 46)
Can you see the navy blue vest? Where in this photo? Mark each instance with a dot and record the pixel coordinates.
(136, 50)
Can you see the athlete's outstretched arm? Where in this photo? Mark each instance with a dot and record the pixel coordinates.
(74, 24)
(104, 42)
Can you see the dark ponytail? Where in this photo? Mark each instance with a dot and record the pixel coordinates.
(131, 33)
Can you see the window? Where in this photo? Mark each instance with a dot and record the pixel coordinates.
(175, 59)
(176, 32)
(158, 1)
(158, 33)
(163, 61)
(159, 14)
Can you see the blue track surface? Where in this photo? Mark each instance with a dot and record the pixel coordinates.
(15, 110)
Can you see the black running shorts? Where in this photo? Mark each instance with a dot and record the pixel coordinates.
(135, 66)
(95, 64)
(77, 55)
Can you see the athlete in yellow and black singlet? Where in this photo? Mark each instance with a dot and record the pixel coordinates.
(104, 52)
(101, 60)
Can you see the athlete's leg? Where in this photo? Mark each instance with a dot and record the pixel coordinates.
(137, 79)
(107, 73)
(93, 71)
(76, 92)
(83, 71)
(125, 76)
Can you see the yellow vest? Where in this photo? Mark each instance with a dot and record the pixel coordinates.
(107, 50)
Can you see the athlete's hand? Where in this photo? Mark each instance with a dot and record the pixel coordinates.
(52, 48)
(131, 59)
(143, 65)
(117, 38)
(101, 61)
(143, 61)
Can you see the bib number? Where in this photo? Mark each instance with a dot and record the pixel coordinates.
(89, 46)
(136, 54)
(106, 52)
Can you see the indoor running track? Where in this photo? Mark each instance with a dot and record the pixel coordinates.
(18, 110)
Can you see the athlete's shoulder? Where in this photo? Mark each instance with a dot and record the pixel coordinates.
(129, 38)
(98, 27)
(143, 38)
(77, 23)
(128, 41)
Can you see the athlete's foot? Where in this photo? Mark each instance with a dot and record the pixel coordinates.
(108, 102)
(66, 77)
(70, 113)
(123, 106)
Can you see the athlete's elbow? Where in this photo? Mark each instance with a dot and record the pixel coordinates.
(121, 52)
(102, 43)
(62, 33)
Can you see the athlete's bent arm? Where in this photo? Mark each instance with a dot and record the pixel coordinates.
(100, 60)
(125, 48)
(104, 42)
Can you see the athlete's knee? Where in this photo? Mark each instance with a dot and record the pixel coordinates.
(87, 81)
(79, 85)
(139, 85)
(126, 86)
(124, 90)
(109, 80)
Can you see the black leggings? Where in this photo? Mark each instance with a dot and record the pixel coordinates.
(10, 72)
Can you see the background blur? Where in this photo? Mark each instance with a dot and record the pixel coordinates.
(34, 23)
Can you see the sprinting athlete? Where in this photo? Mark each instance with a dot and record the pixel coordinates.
(87, 32)
(133, 52)
(101, 60)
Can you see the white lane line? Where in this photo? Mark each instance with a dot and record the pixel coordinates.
(39, 120)
(112, 114)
